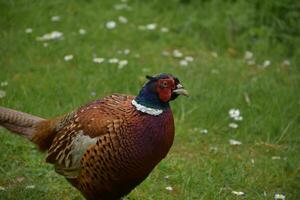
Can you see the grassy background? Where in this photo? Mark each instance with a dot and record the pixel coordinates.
(217, 34)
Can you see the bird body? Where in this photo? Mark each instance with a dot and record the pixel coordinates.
(117, 132)
(107, 147)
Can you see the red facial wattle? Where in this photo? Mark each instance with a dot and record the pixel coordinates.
(164, 89)
(164, 94)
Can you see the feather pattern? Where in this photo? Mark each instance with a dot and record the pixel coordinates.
(109, 146)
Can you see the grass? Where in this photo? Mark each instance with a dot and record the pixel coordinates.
(216, 34)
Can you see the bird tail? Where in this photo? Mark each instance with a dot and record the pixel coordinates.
(38, 130)
(18, 122)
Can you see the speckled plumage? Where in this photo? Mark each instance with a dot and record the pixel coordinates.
(109, 146)
(129, 144)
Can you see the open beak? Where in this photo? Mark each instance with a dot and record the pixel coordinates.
(180, 90)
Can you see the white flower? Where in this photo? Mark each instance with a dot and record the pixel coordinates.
(165, 53)
(234, 113)
(177, 53)
(122, 63)
(238, 118)
(279, 196)
(137, 55)
(169, 188)
(68, 57)
(122, 6)
(151, 27)
(4, 83)
(98, 60)
(2, 188)
(276, 157)
(204, 131)
(93, 94)
(111, 24)
(238, 193)
(146, 70)
(82, 31)
(213, 149)
(28, 30)
(266, 63)
(164, 30)
(248, 55)
(55, 18)
(123, 20)
(45, 44)
(2, 94)
(265, 193)
(233, 125)
(20, 179)
(251, 62)
(183, 63)
(54, 35)
(126, 51)
(113, 60)
(214, 54)
(189, 58)
(234, 142)
(286, 63)
(215, 71)
(166, 177)
(252, 161)
(30, 187)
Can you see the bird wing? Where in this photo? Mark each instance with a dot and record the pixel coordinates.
(96, 124)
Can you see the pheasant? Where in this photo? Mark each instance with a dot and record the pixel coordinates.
(109, 146)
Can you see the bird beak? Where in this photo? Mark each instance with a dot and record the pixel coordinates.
(180, 90)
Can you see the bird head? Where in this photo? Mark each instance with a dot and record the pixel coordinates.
(159, 90)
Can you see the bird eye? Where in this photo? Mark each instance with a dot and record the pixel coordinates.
(164, 84)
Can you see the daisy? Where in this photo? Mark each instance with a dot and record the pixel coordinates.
(169, 188)
(189, 58)
(248, 55)
(98, 60)
(122, 20)
(122, 63)
(111, 24)
(233, 125)
(68, 57)
(238, 193)
(279, 197)
(82, 31)
(177, 53)
(113, 60)
(164, 30)
(28, 30)
(266, 63)
(151, 27)
(2, 94)
(234, 142)
(55, 18)
(54, 35)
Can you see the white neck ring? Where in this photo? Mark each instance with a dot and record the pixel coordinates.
(144, 109)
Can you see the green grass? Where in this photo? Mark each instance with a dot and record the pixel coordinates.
(199, 166)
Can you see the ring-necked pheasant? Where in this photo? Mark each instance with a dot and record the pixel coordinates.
(109, 146)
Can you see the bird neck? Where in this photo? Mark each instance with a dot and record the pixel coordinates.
(148, 100)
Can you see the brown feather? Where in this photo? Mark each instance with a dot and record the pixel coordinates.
(107, 147)
(18, 122)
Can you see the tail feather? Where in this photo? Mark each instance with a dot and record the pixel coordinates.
(18, 122)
